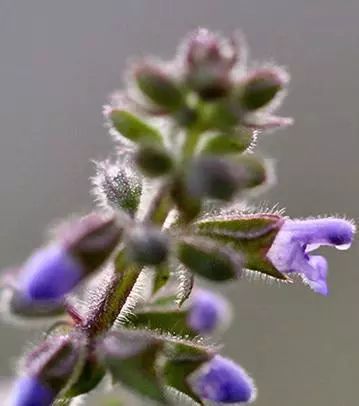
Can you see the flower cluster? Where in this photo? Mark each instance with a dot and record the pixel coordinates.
(125, 280)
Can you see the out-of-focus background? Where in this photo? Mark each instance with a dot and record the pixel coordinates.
(60, 60)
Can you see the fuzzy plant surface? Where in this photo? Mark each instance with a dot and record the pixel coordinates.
(122, 284)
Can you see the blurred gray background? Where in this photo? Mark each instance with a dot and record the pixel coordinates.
(60, 60)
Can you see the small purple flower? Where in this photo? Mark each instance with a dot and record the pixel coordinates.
(50, 273)
(222, 380)
(207, 311)
(30, 391)
(290, 251)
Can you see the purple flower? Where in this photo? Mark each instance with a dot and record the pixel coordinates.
(29, 391)
(222, 380)
(290, 251)
(50, 273)
(207, 311)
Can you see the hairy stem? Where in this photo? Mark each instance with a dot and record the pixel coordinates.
(125, 275)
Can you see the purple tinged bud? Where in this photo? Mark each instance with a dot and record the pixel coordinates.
(50, 273)
(261, 86)
(47, 369)
(222, 380)
(209, 60)
(207, 311)
(30, 391)
(158, 85)
(204, 48)
(55, 270)
(290, 251)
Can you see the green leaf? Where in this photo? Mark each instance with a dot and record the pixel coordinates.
(134, 129)
(209, 259)
(252, 235)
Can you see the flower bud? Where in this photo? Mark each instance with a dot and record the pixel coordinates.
(207, 311)
(158, 86)
(147, 246)
(15, 304)
(154, 161)
(231, 142)
(261, 87)
(46, 371)
(55, 270)
(222, 380)
(118, 185)
(212, 177)
(205, 47)
(30, 391)
(221, 179)
(209, 61)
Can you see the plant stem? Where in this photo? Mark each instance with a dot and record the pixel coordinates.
(125, 275)
(190, 143)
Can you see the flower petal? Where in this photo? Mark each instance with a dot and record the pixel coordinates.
(318, 280)
(222, 380)
(329, 231)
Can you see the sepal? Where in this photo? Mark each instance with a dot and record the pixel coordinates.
(261, 87)
(209, 259)
(147, 245)
(158, 86)
(224, 143)
(131, 358)
(221, 178)
(134, 129)
(154, 161)
(49, 368)
(182, 359)
(252, 235)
